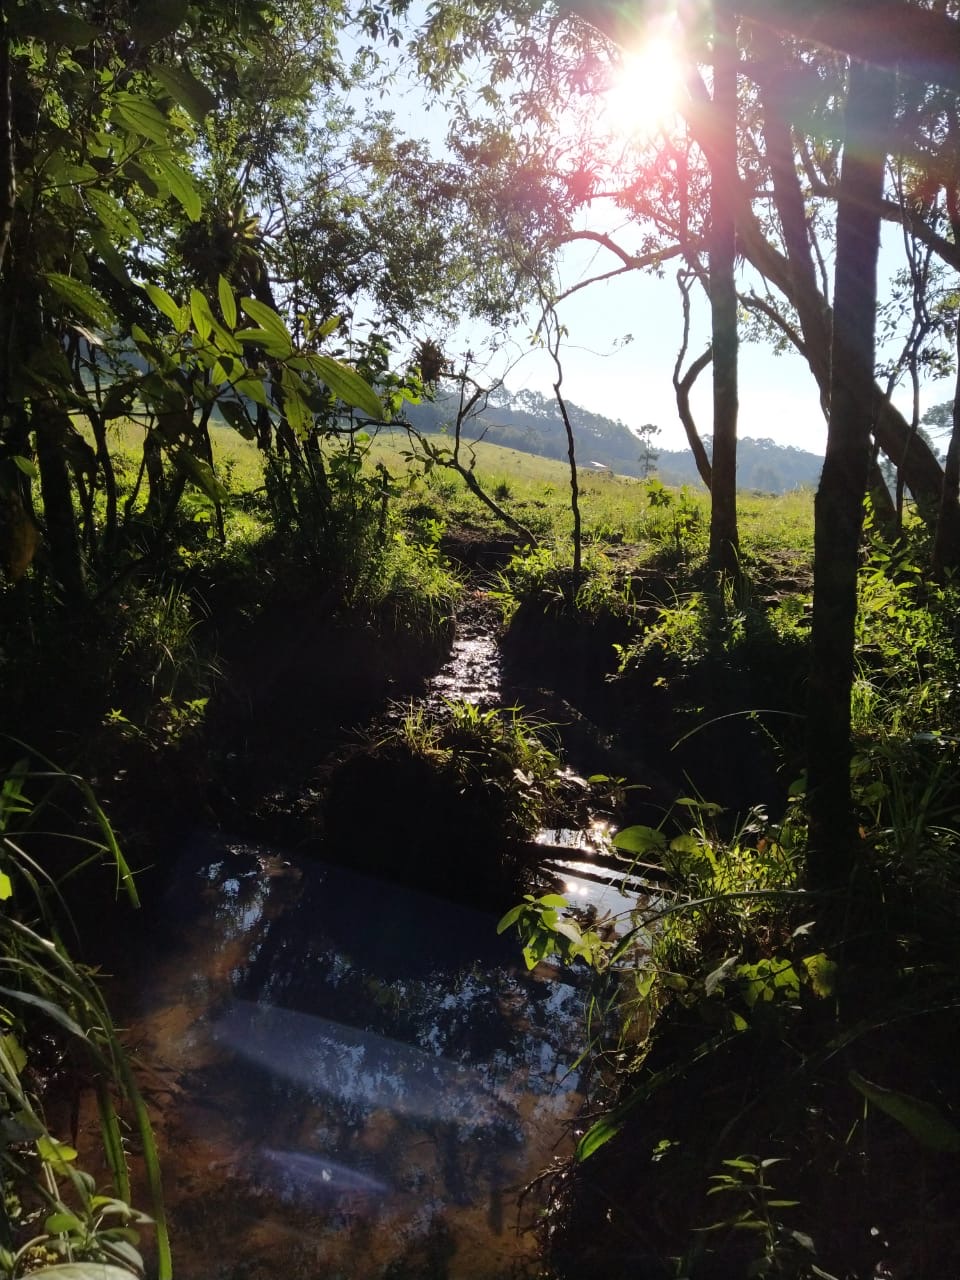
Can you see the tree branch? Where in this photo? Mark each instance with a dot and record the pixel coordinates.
(682, 386)
(631, 261)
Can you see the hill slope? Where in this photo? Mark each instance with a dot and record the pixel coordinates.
(531, 423)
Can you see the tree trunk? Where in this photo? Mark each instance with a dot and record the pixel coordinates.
(724, 181)
(109, 478)
(921, 469)
(839, 501)
(946, 544)
(52, 427)
(8, 173)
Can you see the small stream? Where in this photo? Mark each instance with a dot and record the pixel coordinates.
(350, 1079)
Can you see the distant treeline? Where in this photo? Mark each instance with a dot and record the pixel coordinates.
(762, 466)
(531, 422)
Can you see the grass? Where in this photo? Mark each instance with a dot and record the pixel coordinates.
(616, 510)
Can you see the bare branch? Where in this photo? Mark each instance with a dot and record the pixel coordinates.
(553, 332)
(683, 385)
(632, 261)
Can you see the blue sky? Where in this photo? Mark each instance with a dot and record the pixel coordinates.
(633, 382)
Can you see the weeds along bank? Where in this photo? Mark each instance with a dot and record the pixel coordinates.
(293, 588)
(774, 1097)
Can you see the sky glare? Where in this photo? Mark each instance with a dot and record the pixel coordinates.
(623, 336)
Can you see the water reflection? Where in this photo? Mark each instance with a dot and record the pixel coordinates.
(301, 1173)
(364, 1076)
(358, 1069)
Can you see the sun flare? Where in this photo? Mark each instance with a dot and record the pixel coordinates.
(645, 91)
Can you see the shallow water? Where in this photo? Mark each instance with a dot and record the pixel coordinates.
(473, 672)
(349, 1079)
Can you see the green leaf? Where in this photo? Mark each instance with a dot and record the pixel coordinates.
(555, 900)
(295, 406)
(154, 20)
(109, 256)
(921, 1119)
(58, 1222)
(228, 303)
(191, 93)
(62, 171)
(567, 929)
(707, 807)
(26, 466)
(118, 401)
(639, 839)
(163, 302)
(687, 843)
(224, 340)
(347, 385)
(511, 917)
(178, 180)
(269, 321)
(223, 370)
(55, 1153)
(136, 173)
(117, 221)
(237, 416)
(82, 1271)
(254, 389)
(139, 115)
(6, 887)
(597, 1136)
(124, 1249)
(52, 25)
(264, 338)
(47, 1006)
(822, 974)
(80, 297)
(14, 1051)
(202, 315)
(201, 473)
(19, 1127)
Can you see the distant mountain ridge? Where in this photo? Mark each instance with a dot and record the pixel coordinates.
(531, 423)
(762, 466)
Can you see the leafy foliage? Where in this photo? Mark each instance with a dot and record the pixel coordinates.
(55, 1021)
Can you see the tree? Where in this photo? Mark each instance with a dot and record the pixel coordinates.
(134, 277)
(724, 178)
(831, 854)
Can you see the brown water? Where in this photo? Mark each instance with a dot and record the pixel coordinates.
(350, 1080)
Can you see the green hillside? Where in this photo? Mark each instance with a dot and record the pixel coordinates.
(529, 422)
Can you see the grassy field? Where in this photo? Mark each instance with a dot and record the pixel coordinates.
(616, 510)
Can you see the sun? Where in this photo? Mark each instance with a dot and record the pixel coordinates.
(645, 91)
